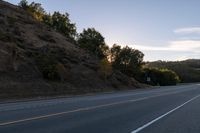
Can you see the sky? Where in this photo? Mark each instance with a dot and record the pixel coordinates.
(162, 29)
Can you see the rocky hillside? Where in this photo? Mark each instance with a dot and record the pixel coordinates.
(29, 51)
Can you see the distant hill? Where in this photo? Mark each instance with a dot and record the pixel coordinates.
(188, 70)
(29, 50)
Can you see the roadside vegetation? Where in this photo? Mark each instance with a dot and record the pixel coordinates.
(188, 70)
(124, 59)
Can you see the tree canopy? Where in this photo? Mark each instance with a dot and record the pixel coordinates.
(126, 59)
(91, 40)
(161, 77)
(58, 21)
(61, 23)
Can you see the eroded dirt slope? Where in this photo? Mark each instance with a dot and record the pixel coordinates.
(26, 45)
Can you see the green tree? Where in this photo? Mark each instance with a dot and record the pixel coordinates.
(161, 77)
(168, 77)
(59, 22)
(35, 9)
(62, 23)
(114, 52)
(47, 19)
(24, 4)
(129, 61)
(93, 41)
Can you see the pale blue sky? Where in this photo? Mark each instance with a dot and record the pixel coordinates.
(161, 29)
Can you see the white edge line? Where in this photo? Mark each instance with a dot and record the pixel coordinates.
(83, 109)
(160, 117)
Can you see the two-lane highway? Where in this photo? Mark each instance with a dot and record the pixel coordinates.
(173, 109)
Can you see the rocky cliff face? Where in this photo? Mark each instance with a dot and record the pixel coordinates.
(26, 45)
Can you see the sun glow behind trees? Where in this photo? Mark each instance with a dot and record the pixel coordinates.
(126, 59)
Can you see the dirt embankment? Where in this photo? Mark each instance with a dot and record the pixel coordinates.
(29, 48)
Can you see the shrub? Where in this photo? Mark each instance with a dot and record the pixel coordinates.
(161, 77)
(49, 60)
(61, 71)
(58, 21)
(168, 77)
(47, 66)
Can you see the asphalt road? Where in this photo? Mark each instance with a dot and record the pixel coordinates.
(173, 109)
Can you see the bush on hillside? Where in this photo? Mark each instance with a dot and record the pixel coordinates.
(58, 21)
(161, 77)
(47, 66)
(49, 62)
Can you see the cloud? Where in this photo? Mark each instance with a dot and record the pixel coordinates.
(150, 48)
(180, 58)
(180, 49)
(185, 45)
(180, 45)
(188, 30)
